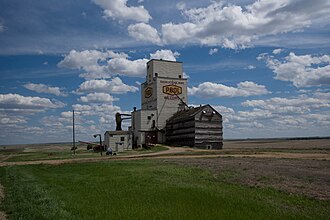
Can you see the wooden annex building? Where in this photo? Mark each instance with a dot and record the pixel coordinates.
(199, 127)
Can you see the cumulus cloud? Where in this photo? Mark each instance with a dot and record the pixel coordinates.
(303, 115)
(213, 51)
(88, 110)
(302, 71)
(98, 98)
(124, 66)
(16, 101)
(119, 10)
(144, 32)
(2, 27)
(209, 89)
(104, 64)
(114, 85)
(137, 67)
(250, 67)
(105, 112)
(300, 104)
(93, 62)
(223, 109)
(6, 119)
(42, 88)
(277, 51)
(165, 55)
(235, 26)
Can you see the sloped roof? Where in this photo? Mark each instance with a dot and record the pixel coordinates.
(184, 115)
(117, 132)
(188, 114)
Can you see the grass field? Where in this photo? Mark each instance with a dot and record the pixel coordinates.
(145, 189)
(266, 179)
(60, 152)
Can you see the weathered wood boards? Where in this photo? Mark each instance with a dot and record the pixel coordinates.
(196, 127)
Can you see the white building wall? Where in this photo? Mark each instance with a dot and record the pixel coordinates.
(149, 95)
(115, 142)
(142, 121)
(168, 104)
(163, 68)
(159, 96)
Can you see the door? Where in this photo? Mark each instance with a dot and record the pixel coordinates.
(151, 137)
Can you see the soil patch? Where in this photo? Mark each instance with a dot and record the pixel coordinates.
(306, 177)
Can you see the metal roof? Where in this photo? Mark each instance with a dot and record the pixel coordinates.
(185, 114)
(117, 132)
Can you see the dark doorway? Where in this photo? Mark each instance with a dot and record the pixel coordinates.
(151, 138)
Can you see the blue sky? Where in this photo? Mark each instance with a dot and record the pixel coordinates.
(264, 65)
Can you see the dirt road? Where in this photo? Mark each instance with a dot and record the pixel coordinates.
(179, 152)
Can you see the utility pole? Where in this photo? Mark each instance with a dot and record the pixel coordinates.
(73, 134)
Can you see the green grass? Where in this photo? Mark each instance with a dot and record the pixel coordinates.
(56, 154)
(142, 190)
(156, 148)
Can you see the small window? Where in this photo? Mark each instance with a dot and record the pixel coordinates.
(156, 74)
(122, 138)
(180, 76)
(111, 135)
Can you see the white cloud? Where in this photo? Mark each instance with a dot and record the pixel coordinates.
(67, 114)
(93, 62)
(209, 89)
(11, 119)
(144, 32)
(42, 88)
(223, 109)
(165, 55)
(104, 64)
(115, 85)
(119, 10)
(277, 51)
(213, 51)
(251, 67)
(124, 66)
(186, 75)
(2, 27)
(302, 71)
(234, 26)
(300, 104)
(98, 98)
(181, 6)
(89, 110)
(303, 115)
(95, 75)
(16, 101)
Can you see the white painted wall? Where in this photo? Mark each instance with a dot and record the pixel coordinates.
(116, 143)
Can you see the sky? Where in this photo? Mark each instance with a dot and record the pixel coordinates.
(264, 65)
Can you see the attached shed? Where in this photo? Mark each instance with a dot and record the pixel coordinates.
(199, 127)
(119, 141)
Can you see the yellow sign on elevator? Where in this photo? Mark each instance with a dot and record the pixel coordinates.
(172, 90)
(148, 92)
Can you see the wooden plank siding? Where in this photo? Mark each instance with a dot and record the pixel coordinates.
(198, 127)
